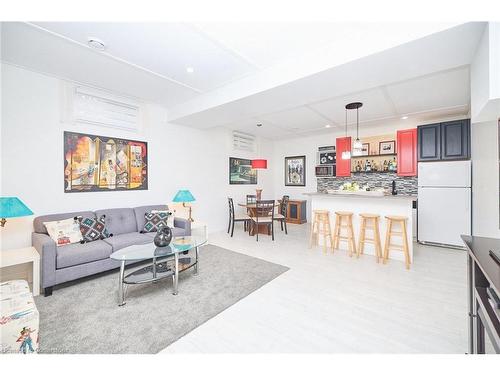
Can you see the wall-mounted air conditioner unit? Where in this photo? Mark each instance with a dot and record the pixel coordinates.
(87, 105)
(243, 141)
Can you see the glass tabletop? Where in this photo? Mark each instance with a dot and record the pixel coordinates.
(150, 251)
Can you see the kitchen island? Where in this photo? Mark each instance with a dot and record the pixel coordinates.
(400, 205)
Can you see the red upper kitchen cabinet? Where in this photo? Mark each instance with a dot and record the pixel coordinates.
(407, 152)
(343, 166)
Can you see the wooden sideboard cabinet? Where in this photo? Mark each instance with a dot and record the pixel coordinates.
(296, 211)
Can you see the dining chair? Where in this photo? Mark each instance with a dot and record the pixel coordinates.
(281, 217)
(264, 211)
(235, 218)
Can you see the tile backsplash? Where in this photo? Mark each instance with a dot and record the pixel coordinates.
(404, 185)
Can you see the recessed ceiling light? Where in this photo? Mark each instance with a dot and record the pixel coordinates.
(190, 69)
(96, 44)
(327, 126)
(404, 117)
(259, 125)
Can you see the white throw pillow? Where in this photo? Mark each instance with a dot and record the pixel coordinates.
(64, 232)
(170, 220)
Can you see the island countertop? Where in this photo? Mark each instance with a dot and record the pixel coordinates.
(354, 195)
(357, 203)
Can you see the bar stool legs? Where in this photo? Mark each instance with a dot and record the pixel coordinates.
(340, 217)
(321, 226)
(366, 220)
(390, 232)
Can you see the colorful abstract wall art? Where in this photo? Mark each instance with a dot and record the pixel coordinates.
(97, 163)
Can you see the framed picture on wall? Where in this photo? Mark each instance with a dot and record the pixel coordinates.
(295, 171)
(387, 147)
(365, 151)
(99, 163)
(241, 172)
(326, 158)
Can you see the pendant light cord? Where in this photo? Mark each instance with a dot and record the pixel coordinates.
(346, 122)
(357, 123)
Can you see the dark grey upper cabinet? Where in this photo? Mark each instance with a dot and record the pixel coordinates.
(429, 142)
(444, 141)
(455, 140)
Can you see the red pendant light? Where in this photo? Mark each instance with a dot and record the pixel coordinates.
(259, 164)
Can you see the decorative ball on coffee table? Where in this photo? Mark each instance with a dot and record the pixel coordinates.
(163, 237)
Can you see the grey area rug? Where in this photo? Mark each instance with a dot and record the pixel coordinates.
(84, 317)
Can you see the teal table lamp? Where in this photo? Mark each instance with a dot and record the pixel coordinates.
(184, 196)
(12, 207)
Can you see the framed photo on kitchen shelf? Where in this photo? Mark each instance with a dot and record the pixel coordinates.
(387, 147)
(326, 158)
(365, 150)
(295, 171)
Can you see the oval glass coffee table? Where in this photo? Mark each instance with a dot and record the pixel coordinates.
(165, 262)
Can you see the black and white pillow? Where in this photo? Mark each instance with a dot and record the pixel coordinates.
(156, 220)
(93, 229)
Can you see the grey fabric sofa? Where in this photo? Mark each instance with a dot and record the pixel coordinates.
(71, 262)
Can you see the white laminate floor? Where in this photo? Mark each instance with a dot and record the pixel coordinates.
(336, 304)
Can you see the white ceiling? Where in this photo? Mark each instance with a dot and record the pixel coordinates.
(441, 95)
(292, 77)
(166, 49)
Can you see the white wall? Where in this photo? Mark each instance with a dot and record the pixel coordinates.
(485, 76)
(485, 180)
(179, 157)
(485, 112)
(480, 76)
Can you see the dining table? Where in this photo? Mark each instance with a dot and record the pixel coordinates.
(262, 228)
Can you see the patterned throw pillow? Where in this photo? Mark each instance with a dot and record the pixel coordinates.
(170, 219)
(93, 229)
(155, 220)
(64, 232)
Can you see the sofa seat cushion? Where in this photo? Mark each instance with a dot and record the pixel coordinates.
(127, 239)
(176, 232)
(77, 253)
(119, 220)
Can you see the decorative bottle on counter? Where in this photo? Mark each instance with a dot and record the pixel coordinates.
(368, 166)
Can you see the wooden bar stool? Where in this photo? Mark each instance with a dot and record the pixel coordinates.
(321, 225)
(390, 232)
(370, 222)
(340, 218)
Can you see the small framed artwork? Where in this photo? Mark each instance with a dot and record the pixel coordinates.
(387, 147)
(365, 150)
(326, 158)
(241, 172)
(295, 171)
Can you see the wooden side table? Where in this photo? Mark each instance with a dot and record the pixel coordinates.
(296, 211)
(14, 257)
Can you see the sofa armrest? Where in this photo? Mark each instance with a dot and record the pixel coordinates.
(184, 224)
(46, 247)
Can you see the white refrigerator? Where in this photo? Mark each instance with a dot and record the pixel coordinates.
(444, 202)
